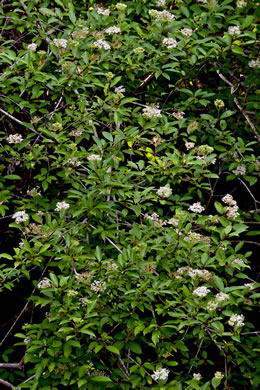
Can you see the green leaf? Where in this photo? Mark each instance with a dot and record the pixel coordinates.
(219, 283)
(219, 207)
(237, 50)
(100, 379)
(12, 177)
(135, 347)
(247, 21)
(113, 349)
(6, 256)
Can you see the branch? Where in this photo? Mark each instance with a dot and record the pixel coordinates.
(7, 384)
(13, 365)
(18, 121)
(233, 90)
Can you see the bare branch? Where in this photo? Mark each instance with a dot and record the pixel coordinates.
(13, 365)
(7, 384)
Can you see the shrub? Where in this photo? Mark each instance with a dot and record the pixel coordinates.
(127, 196)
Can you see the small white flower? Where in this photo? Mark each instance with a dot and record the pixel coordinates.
(14, 138)
(94, 157)
(241, 3)
(139, 50)
(254, 63)
(221, 297)
(32, 46)
(160, 3)
(234, 30)
(164, 16)
(187, 32)
(44, 283)
(160, 374)
(170, 43)
(238, 261)
(62, 206)
(164, 192)
(218, 375)
(240, 170)
(101, 44)
(60, 43)
(120, 89)
(76, 133)
(211, 306)
(74, 161)
(201, 291)
(197, 377)
(232, 212)
(219, 103)
(111, 266)
(121, 6)
(113, 30)
(173, 221)
(189, 145)
(236, 320)
(178, 115)
(98, 286)
(103, 11)
(228, 199)
(152, 111)
(196, 207)
(250, 286)
(20, 216)
(27, 340)
(34, 191)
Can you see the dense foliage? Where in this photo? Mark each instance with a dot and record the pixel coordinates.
(128, 158)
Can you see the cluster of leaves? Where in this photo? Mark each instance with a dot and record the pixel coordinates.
(109, 135)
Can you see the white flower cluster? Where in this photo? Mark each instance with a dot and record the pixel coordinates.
(164, 16)
(173, 221)
(178, 115)
(62, 206)
(193, 237)
(98, 286)
(250, 286)
(160, 374)
(74, 161)
(187, 32)
(196, 207)
(103, 11)
(234, 30)
(111, 266)
(160, 3)
(80, 34)
(44, 283)
(240, 170)
(201, 291)
(236, 320)
(32, 46)
(189, 145)
(211, 306)
(139, 50)
(238, 261)
(72, 293)
(113, 30)
(221, 297)
(121, 6)
(152, 111)
(219, 103)
(60, 43)
(14, 138)
(155, 218)
(254, 63)
(34, 191)
(197, 377)
(101, 44)
(219, 375)
(241, 3)
(20, 216)
(201, 273)
(164, 192)
(94, 157)
(120, 89)
(76, 133)
(170, 43)
(232, 206)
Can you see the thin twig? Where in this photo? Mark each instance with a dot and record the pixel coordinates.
(244, 184)
(18, 121)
